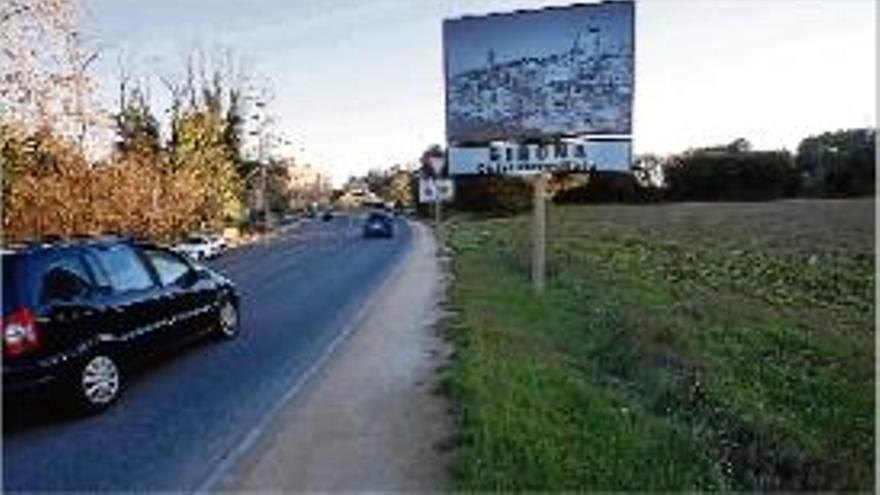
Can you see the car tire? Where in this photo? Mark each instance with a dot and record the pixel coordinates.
(98, 383)
(228, 321)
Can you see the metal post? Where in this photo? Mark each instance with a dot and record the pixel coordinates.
(437, 225)
(539, 233)
(260, 191)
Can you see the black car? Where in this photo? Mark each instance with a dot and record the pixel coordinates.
(378, 224)
(327, 216)
(76, 313)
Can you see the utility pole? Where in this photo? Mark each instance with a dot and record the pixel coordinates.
(263, 202)
(260, 191)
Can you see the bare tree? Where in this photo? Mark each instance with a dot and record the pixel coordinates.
(44, 63)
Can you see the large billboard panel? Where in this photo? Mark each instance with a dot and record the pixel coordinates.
(537, 74)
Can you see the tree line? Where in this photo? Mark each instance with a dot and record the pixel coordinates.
(157, 181)
(834, 164)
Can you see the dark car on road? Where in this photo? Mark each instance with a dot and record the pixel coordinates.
(77, 313)
(378, 224)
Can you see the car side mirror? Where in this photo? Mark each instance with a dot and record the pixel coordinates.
(190, 277)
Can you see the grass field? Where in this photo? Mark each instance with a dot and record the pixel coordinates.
(684, 346)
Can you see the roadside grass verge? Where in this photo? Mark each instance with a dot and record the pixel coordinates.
(697, 347)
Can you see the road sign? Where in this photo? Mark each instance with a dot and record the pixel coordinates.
(575, 155)
(437, 163)
(435, 190)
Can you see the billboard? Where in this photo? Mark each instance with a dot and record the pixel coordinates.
(531, 75)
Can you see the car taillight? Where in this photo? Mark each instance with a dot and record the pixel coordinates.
(20, 334)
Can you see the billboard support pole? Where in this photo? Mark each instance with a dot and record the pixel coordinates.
(539, 233)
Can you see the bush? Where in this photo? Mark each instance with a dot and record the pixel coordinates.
(839, 164)
(731, 176)
(493, 195)
(55, 191)
(605, 187)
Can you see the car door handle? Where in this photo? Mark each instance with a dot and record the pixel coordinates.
(68, 316)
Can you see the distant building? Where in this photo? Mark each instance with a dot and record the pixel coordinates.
(356, 196)
(306, 184)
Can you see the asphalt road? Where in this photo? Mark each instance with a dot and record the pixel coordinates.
(180, 419)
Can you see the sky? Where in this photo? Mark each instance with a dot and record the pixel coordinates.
(358, 84)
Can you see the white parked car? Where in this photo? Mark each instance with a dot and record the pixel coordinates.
(202, 247)
(219, 243)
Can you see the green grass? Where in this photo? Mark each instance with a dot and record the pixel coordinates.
(713, 346)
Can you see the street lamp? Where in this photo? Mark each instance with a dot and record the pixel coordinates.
(261, 205)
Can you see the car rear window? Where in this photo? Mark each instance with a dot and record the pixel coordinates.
(65, 279)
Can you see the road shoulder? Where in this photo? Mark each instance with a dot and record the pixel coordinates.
(369, 420)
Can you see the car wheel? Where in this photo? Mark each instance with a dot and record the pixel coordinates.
(99, 383)
(228, 323)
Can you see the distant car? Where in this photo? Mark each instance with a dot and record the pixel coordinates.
(76, 313)
(327, 216)
(219, 243)
(201, 247)
(378, 224)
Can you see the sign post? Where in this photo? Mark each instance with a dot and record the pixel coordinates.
(436, 191)
(436, 162)
(539, 233)
(437, 218)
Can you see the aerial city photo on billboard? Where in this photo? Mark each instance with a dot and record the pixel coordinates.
(540, 74)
